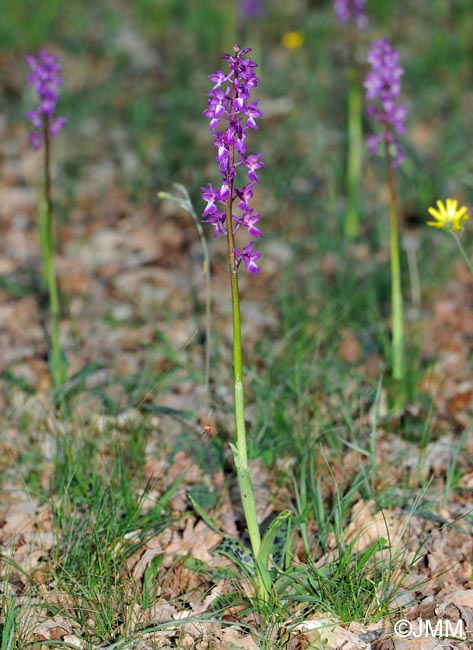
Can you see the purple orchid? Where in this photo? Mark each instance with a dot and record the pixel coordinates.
(46, 79)
(383, 87)
(249, 257)
(251, 9)
(351, 12)
(230, 107)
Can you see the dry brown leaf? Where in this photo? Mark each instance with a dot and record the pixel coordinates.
(349, 348)
(386, 643)
(367, 526)
(327, 632)
(463, 598)
(19, 519)
(422, 643)
(145, 560)
(16, 199)
(197, 540)
(230, 638)
(54, 629)
(161, 612)
(74, 641)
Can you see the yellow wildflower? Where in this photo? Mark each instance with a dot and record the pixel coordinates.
(292, 40)
(449, 216)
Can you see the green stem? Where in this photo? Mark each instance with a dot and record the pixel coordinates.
(462, 251)
(396, 290)
(46, 228)
(208, 298)
(240, 452)
(183, 200)
(355, 154)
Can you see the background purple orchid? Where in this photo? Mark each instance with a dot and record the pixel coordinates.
(383, 87)
(46, 79)
(351, 11)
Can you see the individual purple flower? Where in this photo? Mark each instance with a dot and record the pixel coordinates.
(232, 113)
(253, 162)
(249, 257)
(351, 12)
(45, 77)
(383, 87)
